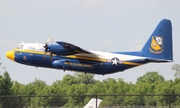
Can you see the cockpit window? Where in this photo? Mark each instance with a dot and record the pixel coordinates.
(20, 46)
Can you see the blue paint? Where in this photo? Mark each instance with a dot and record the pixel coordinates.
(158, 48)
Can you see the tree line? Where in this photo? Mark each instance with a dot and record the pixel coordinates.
(80, 84)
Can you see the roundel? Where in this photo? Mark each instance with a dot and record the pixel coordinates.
(115, 61)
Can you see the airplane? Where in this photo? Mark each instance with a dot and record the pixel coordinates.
(93, 103)
(66, 56)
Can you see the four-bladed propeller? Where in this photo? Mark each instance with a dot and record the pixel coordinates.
(47, 48)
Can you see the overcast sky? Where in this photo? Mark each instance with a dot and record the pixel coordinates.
(107, 25)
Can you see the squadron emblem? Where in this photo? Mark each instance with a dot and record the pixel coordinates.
(156, 45)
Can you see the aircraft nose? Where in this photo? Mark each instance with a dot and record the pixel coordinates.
(10, 55)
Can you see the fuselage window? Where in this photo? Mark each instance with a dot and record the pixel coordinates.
(20, 47)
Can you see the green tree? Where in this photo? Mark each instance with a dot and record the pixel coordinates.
(146, 84)
(3, 68)
(5, 89)
(38, 88)
(176, 84)
(80, 84)
(20, 90)
(176, 67)
(151, 77)
(69, 80)
(5, 84)
(166, 87)
(85, 78)
(76, 89)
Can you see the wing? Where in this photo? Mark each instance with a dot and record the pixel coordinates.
(76, 50)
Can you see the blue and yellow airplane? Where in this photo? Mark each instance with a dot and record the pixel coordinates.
(66, 56)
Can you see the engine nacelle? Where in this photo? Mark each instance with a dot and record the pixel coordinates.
(59, 63)
(59, 50)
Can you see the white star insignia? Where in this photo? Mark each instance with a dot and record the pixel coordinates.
(114, 62)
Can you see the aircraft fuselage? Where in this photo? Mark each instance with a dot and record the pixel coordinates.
(105, 63)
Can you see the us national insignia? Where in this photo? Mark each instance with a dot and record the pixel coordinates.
(157, 44)
(115, 61)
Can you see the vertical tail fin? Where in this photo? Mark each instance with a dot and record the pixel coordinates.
(159, 45)
(92, 103)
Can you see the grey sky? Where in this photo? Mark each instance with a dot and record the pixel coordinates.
(108, 25)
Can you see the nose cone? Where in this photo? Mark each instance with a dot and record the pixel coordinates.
(10, 55)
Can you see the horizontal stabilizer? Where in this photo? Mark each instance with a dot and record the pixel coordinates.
(157, 60)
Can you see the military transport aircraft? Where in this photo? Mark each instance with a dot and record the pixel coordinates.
(66, 56)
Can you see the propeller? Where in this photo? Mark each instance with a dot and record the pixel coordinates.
(51, 56)
(46, 47)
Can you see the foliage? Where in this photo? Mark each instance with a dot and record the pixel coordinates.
(5, 88)
(176, 67)
(85, 78)
(81, 84)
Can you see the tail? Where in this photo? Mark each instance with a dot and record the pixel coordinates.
(93, 103)
(159, 45)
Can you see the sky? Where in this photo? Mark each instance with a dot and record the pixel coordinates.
(106, 25)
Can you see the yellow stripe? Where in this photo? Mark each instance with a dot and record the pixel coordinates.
(70, 56)
(131, 63)
(76, 57)
(87, 58)
(31, 51)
